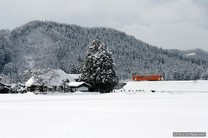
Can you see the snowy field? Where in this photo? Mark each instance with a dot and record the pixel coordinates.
(114, 115)
(168, 86)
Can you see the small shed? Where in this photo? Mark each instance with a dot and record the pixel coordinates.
(79, 86)
(4, 88)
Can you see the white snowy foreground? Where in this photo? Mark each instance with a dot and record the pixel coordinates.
(114, 115)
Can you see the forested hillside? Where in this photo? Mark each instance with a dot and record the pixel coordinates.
(46, 44)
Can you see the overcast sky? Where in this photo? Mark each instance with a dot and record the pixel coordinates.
(181, 24)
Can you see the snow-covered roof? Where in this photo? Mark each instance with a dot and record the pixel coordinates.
(75, 76)
(31, 81)
(62, 76)
(77, 84)
(51, 78)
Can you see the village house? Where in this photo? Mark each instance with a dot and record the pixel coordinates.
(54, 80)
(57, 80)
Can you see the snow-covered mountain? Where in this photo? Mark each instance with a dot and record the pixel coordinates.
(46, 44)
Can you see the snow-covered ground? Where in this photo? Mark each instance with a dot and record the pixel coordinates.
(168, 86)
(113, 115)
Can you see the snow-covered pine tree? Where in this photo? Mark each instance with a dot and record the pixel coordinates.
(98, 68)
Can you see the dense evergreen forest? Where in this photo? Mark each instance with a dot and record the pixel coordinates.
(47, 44)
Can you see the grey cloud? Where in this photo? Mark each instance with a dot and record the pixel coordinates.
(168, 23)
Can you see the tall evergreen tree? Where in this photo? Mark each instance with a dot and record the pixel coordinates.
(98, 68)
